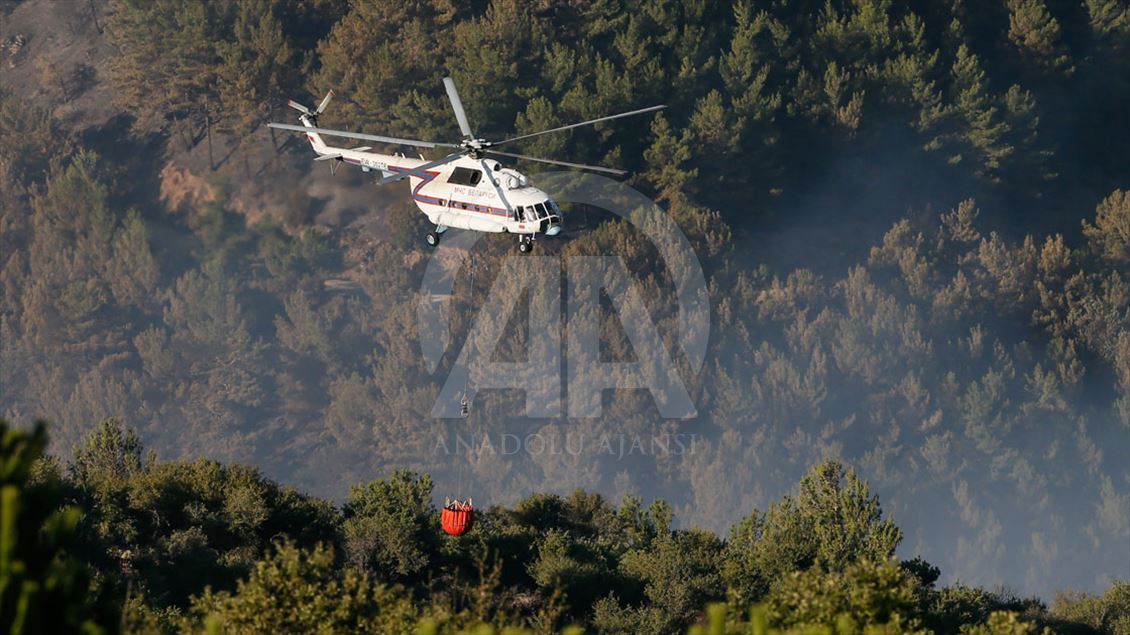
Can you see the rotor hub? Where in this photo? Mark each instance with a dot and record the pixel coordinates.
(475, 146)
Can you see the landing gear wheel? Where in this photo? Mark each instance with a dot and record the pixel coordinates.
(525, 246)
(432, 239)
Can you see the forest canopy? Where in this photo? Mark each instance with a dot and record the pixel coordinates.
(205, 547)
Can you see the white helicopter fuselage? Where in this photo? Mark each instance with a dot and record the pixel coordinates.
(476, 194)
(463, 189)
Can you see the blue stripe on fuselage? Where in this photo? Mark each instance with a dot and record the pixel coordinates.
(431, 200)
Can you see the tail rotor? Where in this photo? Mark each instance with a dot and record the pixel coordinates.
(312, 115)
(299, 107)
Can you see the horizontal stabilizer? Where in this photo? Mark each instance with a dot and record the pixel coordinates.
(362, 149)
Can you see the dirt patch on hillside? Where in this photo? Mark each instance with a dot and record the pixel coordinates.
(182, 190)
(56, 53)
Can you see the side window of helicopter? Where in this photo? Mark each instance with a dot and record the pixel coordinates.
(518, 213)
(465, 176)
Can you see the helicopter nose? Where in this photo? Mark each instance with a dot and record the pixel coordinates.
(553, 230)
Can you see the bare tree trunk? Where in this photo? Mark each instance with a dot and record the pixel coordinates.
(181, 131)
(208, 129)
(94, 15)
(274, 141)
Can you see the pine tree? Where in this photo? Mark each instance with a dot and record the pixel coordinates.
(256, 70)
(1110, 22)
(666, 158)
(1109, 236)
(1037, 35)
(979, 126)
(378, 53)
(30, 138)
(168, 61)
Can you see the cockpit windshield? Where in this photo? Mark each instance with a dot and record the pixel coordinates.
(538, 211)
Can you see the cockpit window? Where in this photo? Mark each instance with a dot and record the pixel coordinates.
(536, 211)
(465, 176)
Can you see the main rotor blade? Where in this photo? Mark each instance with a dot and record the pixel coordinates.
(494, 183)
(583, 123)
(366, 137)
(457, 105)
(564, 163)
(419, 170)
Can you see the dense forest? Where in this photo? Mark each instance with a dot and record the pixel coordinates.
(913, 218)
(130, 542)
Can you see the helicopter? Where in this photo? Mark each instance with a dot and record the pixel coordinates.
(466, 189)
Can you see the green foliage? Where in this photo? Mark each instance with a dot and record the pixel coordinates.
(43, 589)
(868, 593)
(109, 458)
(302, 591)
(1106, 613)
(231, 63)
(30, 138)
(1004, 623)
(951, 608)
(174, 528)
(1034, 32)
(390, 526)
(1109, 236)
(832, 521)
(249, 557)
(257, 67)
(372, 48)
(573, 566)
(720, 620)
(983, 126)
(168, 60)
(666, 155)
(680, 573)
